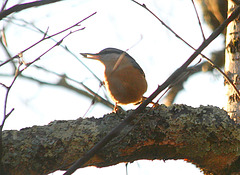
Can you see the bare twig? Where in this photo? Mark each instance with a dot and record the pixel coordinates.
(20, 7)
(62, 82)
(115, 132)
(209, 60)
(66, 48)
(94, 95)
(4, 5)
(45, 38)
(6, 98)
(237, 2)
(199, 22)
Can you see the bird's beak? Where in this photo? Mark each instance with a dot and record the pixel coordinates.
(90, 55)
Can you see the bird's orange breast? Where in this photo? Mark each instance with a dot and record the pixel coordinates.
(126, 85)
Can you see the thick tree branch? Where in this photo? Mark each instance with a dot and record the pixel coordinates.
(204, 136)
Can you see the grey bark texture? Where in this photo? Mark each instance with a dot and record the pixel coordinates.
(205, 136)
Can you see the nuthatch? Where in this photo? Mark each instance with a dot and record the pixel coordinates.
(124, 78)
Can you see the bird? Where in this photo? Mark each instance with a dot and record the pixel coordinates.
(124, 79)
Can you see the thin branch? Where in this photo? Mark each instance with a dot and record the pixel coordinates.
(20, 7)
(237, 2)
(6, 98)
(62, 83)
(8, 114)
(4, 5)
(210, 61)
(45, 38)
(98, 98)
(64, 47)
(199, 22)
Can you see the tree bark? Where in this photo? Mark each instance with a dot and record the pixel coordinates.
(205, 136)
(232, 65)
